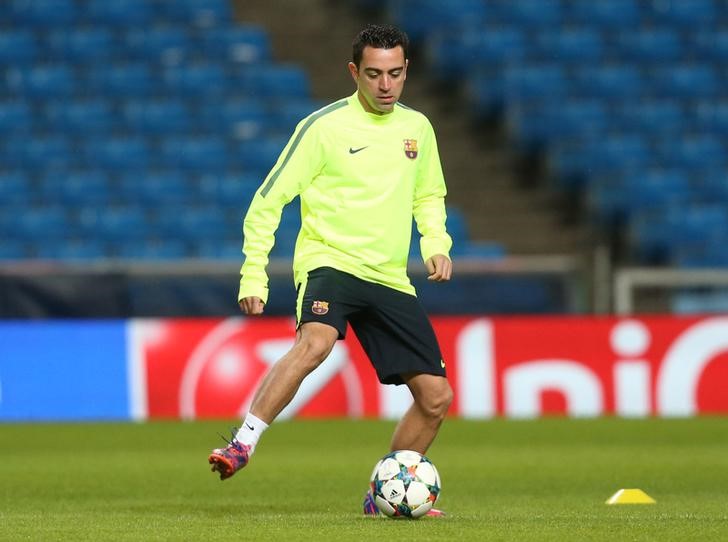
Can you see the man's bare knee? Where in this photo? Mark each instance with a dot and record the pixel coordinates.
(432, 394)
(437, 402)
(315, 341)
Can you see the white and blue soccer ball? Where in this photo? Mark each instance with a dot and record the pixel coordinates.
(405, 484)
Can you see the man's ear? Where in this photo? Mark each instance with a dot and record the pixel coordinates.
(354, 71)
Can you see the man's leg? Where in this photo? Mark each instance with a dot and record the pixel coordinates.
(419, 426)
(314, 342)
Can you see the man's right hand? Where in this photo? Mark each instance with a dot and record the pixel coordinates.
(252, 305)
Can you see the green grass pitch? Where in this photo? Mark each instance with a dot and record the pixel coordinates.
(502, 480)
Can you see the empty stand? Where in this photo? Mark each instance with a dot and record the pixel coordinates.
(624, 99)
(140, 129)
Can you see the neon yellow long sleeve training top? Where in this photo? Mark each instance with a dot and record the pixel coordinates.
(361, 178)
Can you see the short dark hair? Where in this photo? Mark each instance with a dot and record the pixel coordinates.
(379, 36)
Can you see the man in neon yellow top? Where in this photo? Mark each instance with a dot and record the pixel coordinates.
(363, 166)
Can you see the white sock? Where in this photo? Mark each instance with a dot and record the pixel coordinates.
(250, 431)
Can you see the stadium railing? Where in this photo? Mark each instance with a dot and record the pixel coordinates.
(179, 288)
(644, 289)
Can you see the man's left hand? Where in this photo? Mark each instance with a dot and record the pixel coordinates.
(439, 268)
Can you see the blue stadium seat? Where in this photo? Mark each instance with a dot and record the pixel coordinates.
(117, 152)
(580, 44)
(81, 116)
(681, 12)
(656, 234)
(285, 245)
(16, 117)
(18, 46)
(43, 13)
(457, 225)
(419, 17)
(201, 153)
(536, 82)
(711, 116)
(607, 14)
(241, 118)
(155, 188)
(650, 234)
(286, 114)
(707, 253)
(152, 250)
(247, 44)
(160, 116)
(42, 81)
(454, 54)
(219, 249)
(126, 79)
(609, 81)
(12, 249)
(540, 122)
(8, 227)
(76, 187)
(655, 188)
(649, 45)
(688, 81)
(709, 44)
(72, 250)
(82, 44)
(196, 80)
(710, 184)
(535, 13)
(38, 152)
(193, 223)
(119, 12)
(274, 81)
(570, 162)
(202, 13)
(168, 44)
(704, 150)
(229, 191)
(42, 223)
(16, 187)
(114, 223)
(656, 116)
(287, 232)
(484, 91)
(258, 155)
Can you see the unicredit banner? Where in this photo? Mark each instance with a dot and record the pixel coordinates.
(513, 367)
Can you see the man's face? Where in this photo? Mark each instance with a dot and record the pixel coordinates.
(380, 78)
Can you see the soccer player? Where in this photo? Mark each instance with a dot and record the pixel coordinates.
(363, 167)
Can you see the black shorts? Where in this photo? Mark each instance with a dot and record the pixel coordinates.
(391, 326)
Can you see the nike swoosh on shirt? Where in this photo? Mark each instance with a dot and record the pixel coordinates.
(354, 151)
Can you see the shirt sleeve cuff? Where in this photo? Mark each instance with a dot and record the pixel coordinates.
(253, 290)
(431, 247)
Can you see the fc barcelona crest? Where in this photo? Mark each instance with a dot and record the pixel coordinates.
(410, 148)
(320, 307)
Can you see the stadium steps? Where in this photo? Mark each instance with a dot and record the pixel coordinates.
(480, 168)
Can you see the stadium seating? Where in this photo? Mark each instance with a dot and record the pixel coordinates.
(118, 115)
(625, 99)
(141, 129)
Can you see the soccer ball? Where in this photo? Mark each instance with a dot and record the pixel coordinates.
(405, 483)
